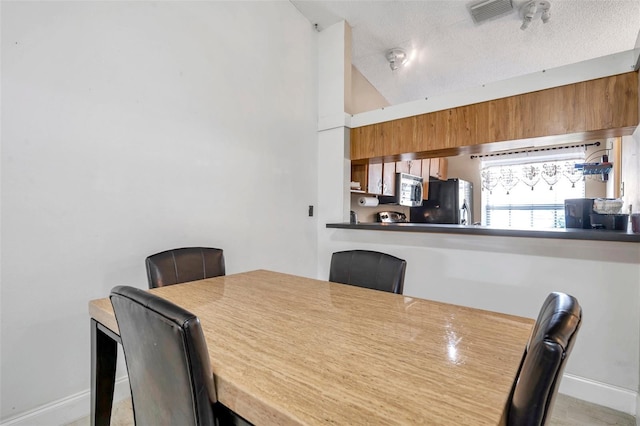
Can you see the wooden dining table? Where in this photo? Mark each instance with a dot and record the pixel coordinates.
(289, 350)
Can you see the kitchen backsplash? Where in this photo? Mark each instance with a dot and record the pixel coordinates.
(368, 214)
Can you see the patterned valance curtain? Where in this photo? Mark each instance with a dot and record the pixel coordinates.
(533, 171)
(528, 191)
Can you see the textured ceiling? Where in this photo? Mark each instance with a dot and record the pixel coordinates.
(452, 53)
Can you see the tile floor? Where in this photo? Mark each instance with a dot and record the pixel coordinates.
(573, 412)
(567, 412)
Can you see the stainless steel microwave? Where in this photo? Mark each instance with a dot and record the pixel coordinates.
(408, 191)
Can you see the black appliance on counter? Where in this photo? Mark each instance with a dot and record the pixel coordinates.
(611, 222)
(577, 213)
(450, 201)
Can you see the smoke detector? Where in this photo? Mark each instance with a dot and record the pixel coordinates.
(397, 58)
(484, 10)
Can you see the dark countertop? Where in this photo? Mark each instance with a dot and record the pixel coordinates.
(567, 234)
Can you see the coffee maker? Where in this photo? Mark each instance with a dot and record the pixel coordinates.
(577, 213)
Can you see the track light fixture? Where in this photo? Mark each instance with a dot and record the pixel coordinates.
(529, 10)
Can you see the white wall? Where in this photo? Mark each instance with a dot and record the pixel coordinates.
(133, 127)
(334, 166)
(364, 96)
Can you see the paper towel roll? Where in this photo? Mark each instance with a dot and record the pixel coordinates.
(368, 201)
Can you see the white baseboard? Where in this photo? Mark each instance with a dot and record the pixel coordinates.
(66, 410)
(603, 394)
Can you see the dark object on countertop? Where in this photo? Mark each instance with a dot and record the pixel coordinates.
(577, 213)
(635, 223)
(168, 362)
(353, 217)
(610, 222)
(368, 269)
(183, 265)
(545, 356)
(391, 217)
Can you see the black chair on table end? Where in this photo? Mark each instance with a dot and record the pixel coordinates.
(168, 362)
(183, 265)
(546, 353)
(369, 269)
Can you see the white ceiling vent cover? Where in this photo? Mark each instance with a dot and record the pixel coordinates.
(484, 10)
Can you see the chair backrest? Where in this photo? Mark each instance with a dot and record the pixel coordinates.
(370, 269)
(167, 360)
(184, 264)
(549, 346)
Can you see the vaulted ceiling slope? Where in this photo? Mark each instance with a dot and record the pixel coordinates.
(451, 53)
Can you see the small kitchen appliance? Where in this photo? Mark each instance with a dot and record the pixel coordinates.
(408, 191)
(611, 222)
(391, 217)
(577, 213)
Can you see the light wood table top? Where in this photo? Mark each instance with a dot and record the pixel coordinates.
(291, 350)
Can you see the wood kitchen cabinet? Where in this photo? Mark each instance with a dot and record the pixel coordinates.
(359, 173)
(588, 110)
(382, 178)
(412, 167)
(438, 168)
(375, 179)
(389, 178)
(362, 143)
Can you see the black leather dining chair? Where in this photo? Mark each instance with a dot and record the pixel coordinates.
(183, 265)
(168, 362)
(369, 269)
(546, 354)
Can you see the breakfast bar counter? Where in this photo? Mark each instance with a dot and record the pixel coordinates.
(566, 234)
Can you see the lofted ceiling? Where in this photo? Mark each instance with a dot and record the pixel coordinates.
(451, 53)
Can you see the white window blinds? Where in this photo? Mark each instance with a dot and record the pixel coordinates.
(529, 191)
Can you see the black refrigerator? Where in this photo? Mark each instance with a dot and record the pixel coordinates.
(450, 201)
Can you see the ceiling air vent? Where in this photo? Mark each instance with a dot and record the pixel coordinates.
(484, 10)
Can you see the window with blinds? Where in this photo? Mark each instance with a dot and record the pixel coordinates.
(529, 194)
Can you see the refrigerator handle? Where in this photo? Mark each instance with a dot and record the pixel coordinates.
(418, 196)
(464, 216)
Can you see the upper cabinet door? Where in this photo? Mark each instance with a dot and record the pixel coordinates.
(389, 179)
(412, 167)
(375, 179)
(438, 168)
